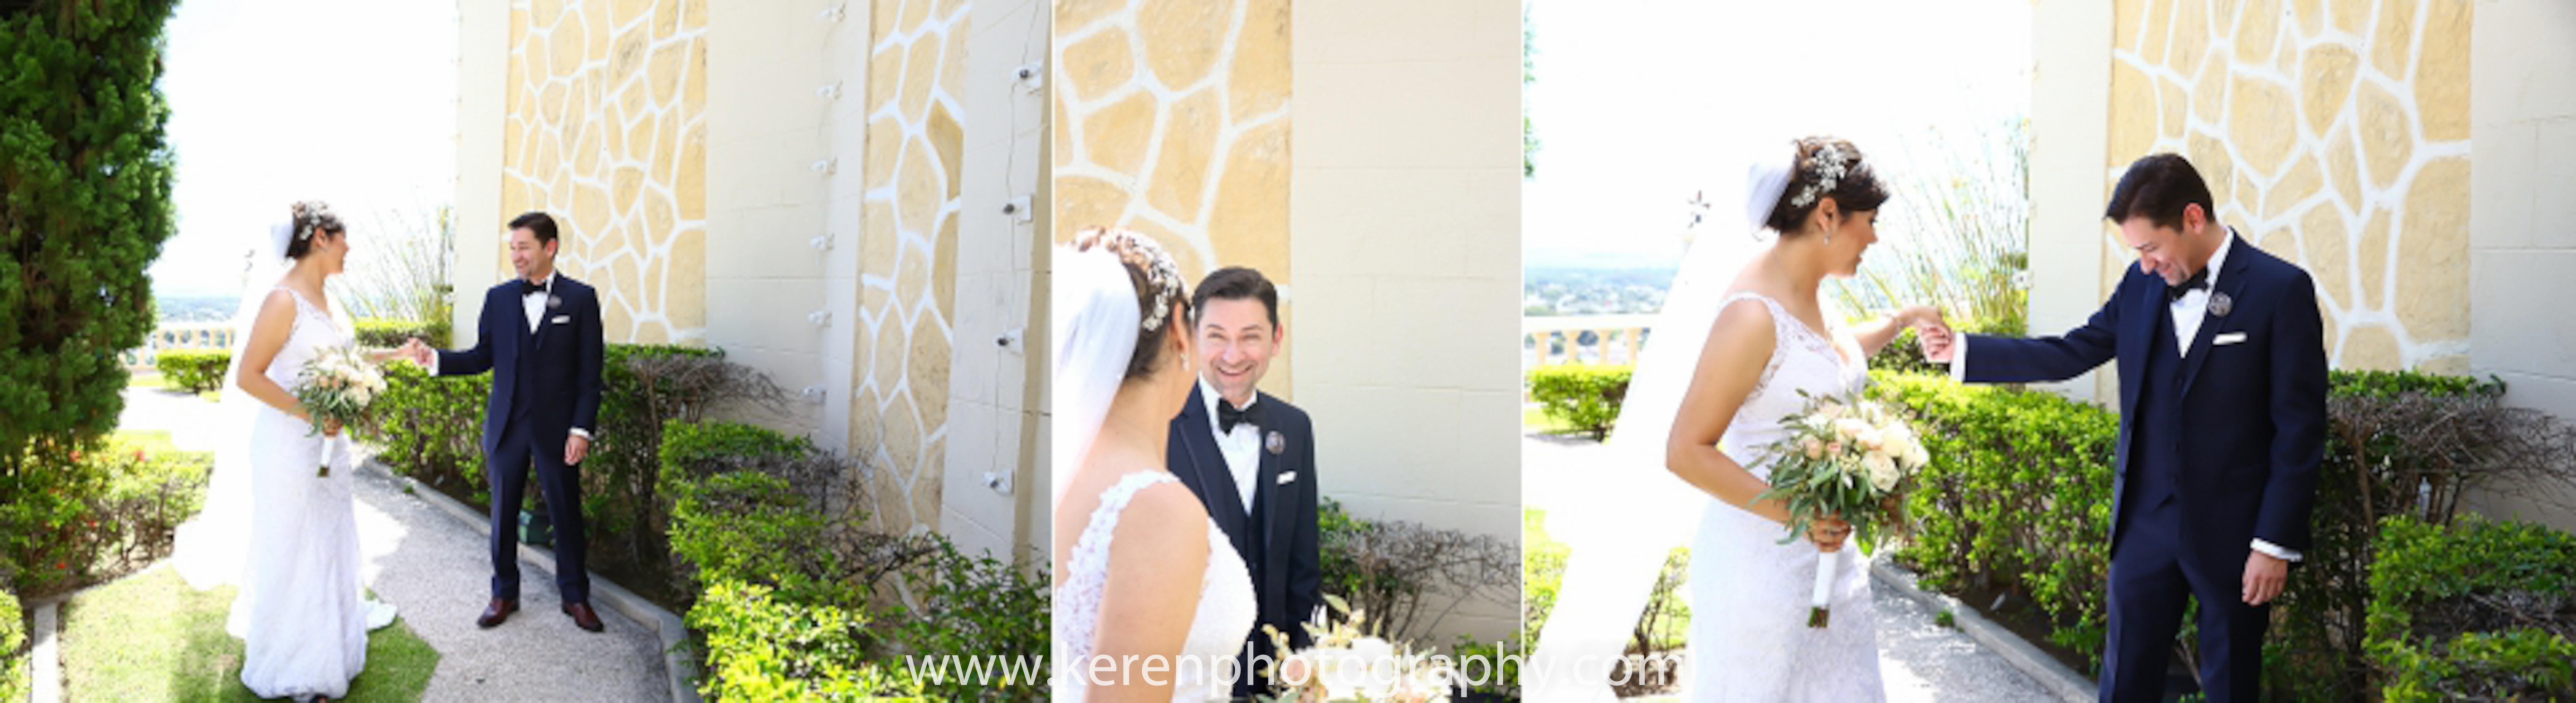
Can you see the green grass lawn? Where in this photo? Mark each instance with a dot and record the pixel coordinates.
(150, 637)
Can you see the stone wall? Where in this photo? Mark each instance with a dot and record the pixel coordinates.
(605, 129)
(2335, 134)
(1172, 119)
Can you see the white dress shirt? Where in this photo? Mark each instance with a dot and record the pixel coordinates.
(1242, 447)
(2188, 311)
(533, 305)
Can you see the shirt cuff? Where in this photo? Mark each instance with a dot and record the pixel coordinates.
(582, 433)
(1959, 359)
(2276, 551)
(433, 364)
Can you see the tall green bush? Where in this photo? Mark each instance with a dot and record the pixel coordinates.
(762, 647)
(1586, 397)
(195, 371)
(84, 207)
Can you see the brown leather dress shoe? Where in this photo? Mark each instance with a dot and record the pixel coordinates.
(499, 611)
(583, 617)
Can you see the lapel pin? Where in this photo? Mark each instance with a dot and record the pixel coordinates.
(2220, 304)
(1276, 443)
(553, 302)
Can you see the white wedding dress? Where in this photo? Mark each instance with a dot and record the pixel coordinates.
(1749, 639)
(300, 610)
(1226, 609)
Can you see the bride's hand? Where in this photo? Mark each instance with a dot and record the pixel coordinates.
(1921, 317)
(330, 428)
(1828, 533)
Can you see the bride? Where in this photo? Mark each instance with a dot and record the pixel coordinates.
(1172, 590)
(285, 536)
(1731, 360)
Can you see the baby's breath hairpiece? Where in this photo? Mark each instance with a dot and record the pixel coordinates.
(1828, 166)
(1143, 253)
(309, 216)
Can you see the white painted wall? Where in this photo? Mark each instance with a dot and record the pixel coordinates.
(1405, 206)
(2522, 235)
(482, 68)
(2070, 129)
(765, 127)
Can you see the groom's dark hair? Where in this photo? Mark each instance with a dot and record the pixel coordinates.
(1236, 283)
(538, 223)
(2157, 187)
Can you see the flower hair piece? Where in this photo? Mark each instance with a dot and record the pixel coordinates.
(1828, 165)
(310, 215)
(1141, 252)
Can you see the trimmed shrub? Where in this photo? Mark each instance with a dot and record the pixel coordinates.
(389, 334)
(195, 371)
(761, 647)
(431, 429)
(974, 608)
(1406, 575)
(2478, 611)
(1586, 397)
(103, 514)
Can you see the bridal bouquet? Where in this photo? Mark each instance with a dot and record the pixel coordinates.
(337, 386)
(1846, 458)
(1344, 663)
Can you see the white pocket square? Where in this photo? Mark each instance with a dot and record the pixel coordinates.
(1288, 478)
(2227, 339)
(567, 319)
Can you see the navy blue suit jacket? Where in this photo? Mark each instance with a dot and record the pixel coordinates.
(2253, 413)
(545, 382)
(1283, 551)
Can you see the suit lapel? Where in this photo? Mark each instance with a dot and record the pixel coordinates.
(2231, 282)
(1208, 463)
(1266, 492)
(2136, 349)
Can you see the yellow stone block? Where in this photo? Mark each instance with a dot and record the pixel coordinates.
(879, 239)
(693, 92)
(891, 352)
(2263, 123)
(2190, 36)
(911, 275)
(2311, 16)
(1179, 185)
(2209, 92)
(2433, 243)
(586, 154)
(1186, 256)
(914, 13)
(625, 280)
(1117, 136)
(1059, 131)
(2373, 257)
(590, 209)
(650, 283)
(1259, 81)
(544, 13)
(2222, 18)
(2447, 364)
(1183, 38)
(2174, 104)
(2442, 73)
(616, 321)
(659, 220)
(550, 104)
(2210, 158)
(666, 148)
(568, 48)
(693, 14)
(2303, 180)
(948, 141)
(918, 70)
(549, 158)
(2325, 79)
(2133, 112)
(629, 11)
(1083, 201)
(2247, 201)
(666, 19)
(2333, 330)
(1071, 16)
(885, 144)
(2126, 18)
(2326, 253)
(2343, 168)
(2371, 347)
(916, 190)
(664, 72)
(883, 16)
(1095, 66)
(928, 372)
(690, 189)
(2159, 32)
(625, 185)
(2259, 32)
(952, 65)
(885, 77)
(2391, 39)
(1250, 224)
(627, 57)
(2387, 141)
(943, 269)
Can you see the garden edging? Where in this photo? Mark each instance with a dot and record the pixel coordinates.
(2047, 671)
(45, 658)
(669, 628)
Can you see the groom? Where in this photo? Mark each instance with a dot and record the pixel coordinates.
(2222, 424)
(1250, 457)
(540, 337)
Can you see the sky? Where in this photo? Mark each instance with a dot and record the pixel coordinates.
(1640, 103)
(274, 101)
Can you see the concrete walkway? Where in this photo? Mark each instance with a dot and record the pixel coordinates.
(1919, 659)
(437, 569)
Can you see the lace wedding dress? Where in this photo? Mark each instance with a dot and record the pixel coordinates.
(1225, 614)
(300, 611)
(1749, 639)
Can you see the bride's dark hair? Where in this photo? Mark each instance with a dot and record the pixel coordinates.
(312, 217)
(1158, 288)
(1857, 188)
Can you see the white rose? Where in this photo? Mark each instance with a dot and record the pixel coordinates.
(1850, 428)
(1882, 472)
(1918, 458)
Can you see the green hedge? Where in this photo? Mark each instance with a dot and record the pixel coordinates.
(744, 526)
(761, 647)
(195, 371)
(390, 334)
(2468, 612)
(1586, 397)
(104, 512)
(431, 429)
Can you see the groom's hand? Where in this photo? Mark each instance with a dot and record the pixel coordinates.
(2264, 577)
(1938, 345)
(575, 447)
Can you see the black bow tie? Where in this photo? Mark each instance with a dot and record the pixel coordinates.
(528, 288)
(1227, 416)
(2198, 281)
